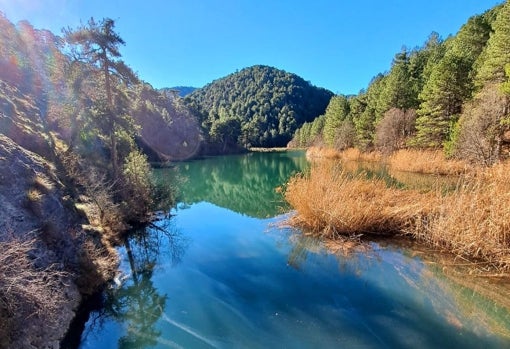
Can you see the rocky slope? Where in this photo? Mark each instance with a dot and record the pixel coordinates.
(43, 251)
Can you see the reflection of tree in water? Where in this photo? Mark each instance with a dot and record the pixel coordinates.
(139, 306)
(249, 184)
(137, 303)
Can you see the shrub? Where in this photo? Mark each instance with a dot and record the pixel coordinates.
(26, 290)
(137, 185)
(345, 135)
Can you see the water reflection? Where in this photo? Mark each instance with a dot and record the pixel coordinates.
(214, 275)
(248, 184)
(471, 306)
(134, 301)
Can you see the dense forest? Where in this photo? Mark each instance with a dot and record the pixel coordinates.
(259, 106)
(451, 94)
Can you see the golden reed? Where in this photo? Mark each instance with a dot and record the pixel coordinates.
(471, 221)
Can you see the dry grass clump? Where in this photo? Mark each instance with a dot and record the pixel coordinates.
(349, 154)
(330, 202)
(473, 222)
(25, 289)
(320, 152)
(426, 161)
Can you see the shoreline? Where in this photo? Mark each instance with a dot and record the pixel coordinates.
(470, 221)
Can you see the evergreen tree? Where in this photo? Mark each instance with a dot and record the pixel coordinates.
(398, 91)
(450, 84)
(497, 52)
(365, 121)
(336, 112)
(443, 96)
(97, 44)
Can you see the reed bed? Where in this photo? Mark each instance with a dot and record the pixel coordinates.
(405, 160)
(332, 202)
(472, 221)
(349, 154)
(426, 161)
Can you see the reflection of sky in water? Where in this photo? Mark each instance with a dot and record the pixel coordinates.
(223, 279)
(235, 288)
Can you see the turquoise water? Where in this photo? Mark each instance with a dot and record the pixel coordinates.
(222, 272)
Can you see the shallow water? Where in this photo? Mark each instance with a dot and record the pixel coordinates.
(222, 272)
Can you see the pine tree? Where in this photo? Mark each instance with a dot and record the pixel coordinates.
(98, 44)
(497, 52)
(450, 84)
(336, 112)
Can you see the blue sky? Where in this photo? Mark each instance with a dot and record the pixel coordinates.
(336, 44)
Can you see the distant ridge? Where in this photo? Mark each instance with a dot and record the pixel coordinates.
(182, 90)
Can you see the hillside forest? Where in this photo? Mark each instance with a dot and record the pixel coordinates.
(451, 94)
(258, 106)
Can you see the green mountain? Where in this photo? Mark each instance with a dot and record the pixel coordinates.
(259, 106)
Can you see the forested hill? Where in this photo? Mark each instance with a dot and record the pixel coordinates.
(258, 106)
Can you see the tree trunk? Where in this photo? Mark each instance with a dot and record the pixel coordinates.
(111, 115)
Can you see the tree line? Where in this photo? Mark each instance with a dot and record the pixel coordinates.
(451, 94)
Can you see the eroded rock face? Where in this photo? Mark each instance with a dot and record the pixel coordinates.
(35, 211)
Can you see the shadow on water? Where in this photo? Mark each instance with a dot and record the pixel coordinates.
(132, 299)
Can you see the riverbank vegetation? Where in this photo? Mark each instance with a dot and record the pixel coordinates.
(470, 221)
(449, 95)
(426, 161)
(443, 109)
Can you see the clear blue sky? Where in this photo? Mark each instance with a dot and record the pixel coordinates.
(336, 44)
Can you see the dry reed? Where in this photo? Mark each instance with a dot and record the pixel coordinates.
(330, 202)
(349, 154)
(406, 160)
(472, 221)
(426, 161)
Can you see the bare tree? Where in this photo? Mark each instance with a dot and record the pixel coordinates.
(482, 127)
(394, 129)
